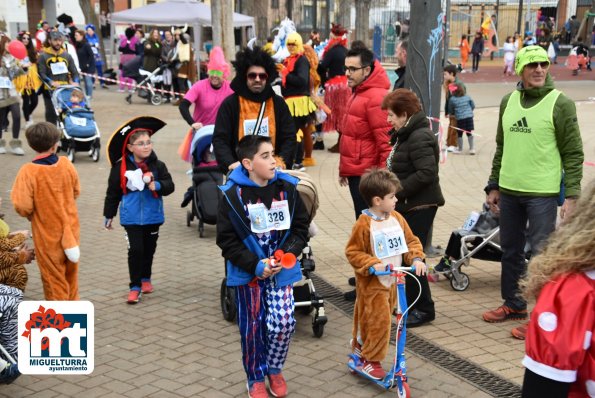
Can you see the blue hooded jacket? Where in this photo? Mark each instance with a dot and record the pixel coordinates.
(240, 248)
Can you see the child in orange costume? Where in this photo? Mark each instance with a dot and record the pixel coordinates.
(373, 244)
(45, 191)
(465, 50)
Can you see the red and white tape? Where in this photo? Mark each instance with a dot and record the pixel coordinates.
(131, 85)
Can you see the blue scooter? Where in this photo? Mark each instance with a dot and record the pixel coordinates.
(397, 376)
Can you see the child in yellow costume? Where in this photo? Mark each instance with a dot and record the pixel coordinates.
(45, 192)
(380, 237)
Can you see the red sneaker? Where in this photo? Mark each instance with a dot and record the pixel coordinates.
(520, 332)
(258, 390)
(134, 296)
(504, 313)
(146, 287)
(277, 385)
(373, 369)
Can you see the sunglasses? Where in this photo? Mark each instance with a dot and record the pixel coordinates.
(534, 65)
(261, 76)
(291, 44)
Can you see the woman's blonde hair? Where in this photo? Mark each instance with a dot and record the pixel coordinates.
(570, 249)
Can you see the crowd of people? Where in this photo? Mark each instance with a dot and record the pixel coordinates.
(388, 159)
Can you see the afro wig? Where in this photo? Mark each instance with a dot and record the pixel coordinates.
(254, 57)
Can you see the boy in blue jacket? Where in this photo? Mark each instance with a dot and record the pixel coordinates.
(261, 212)
(137, 182)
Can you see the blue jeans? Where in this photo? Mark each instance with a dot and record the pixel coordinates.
(88, 86)
(515, 211)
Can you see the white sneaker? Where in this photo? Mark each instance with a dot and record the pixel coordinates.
(15, 147)
(456, 151)
(28, 123)
(121, 90)
(2, 147)
(451, 148)
(472, 152)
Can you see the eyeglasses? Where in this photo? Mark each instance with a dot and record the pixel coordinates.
(291, 44)
(142, 144)
(254, 75)
(534, 65)
(353, 69)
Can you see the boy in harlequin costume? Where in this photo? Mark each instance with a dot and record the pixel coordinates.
(255, 195)
(137, 183)
(560, 340)
(45, 191)
(380, 237)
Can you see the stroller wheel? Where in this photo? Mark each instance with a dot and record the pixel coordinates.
(70, 153)
(318, 329)
(156, 99)
(129, 98)
(461, 284)
(228, 301)
(189, 217)
(201, 229)
(95, 155)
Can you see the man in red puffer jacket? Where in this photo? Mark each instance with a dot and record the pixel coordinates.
(364, 140)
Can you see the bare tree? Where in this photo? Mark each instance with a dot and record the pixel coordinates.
(362, 20)
(222, 23)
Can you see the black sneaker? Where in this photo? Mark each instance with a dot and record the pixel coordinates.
(318, 145)
(351, 281)
(349, 296)
(443, 265)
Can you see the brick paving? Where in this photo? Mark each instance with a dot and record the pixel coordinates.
(175, 343)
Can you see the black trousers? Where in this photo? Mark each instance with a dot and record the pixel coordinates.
(15, 111)
(29, 104)
(142, 243)
(358, 202)
(420, 222)
(50, 113)
(476, 59)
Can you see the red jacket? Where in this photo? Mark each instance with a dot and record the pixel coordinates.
(364, 134)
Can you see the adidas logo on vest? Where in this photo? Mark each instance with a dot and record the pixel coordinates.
(521, 126)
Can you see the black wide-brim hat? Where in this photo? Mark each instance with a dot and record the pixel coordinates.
(119, 139)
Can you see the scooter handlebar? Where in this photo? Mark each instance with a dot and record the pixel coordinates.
(391, 270)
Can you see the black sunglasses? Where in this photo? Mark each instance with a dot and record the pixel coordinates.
(534, 65)
(254, 75)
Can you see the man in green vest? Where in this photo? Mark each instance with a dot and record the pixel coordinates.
(538, 142)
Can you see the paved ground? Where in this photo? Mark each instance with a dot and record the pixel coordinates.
(175, 342)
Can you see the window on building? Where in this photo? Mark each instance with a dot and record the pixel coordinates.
(307, 16)
(275, 4)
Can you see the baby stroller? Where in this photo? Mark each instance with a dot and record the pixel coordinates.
(479, 238)
(307, 301)
(77, 123)
(145, 79)
(206, 176)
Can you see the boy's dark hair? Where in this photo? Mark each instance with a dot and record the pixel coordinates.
(42, 136)
(378, 182)
(357, 44)
(452, 69)
(404, 44)
(249, 145)
(366, 56)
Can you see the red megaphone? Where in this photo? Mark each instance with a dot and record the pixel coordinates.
(287, 260)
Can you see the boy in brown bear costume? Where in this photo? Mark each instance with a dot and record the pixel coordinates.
(380, 237)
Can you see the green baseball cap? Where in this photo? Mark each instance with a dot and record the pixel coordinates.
(529, 55)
